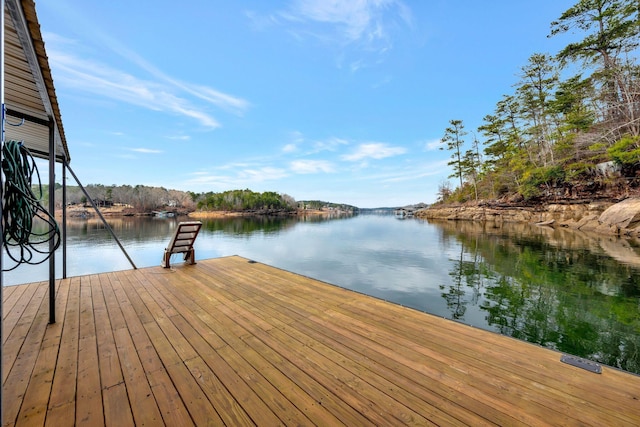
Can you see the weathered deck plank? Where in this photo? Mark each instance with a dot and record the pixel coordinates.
(89, 399)
(229, 342)
(37, 395)
(62, 404)
(165, 397)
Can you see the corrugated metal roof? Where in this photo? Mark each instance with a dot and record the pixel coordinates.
(29, 90)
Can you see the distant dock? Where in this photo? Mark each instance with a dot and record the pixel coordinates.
(232, 342)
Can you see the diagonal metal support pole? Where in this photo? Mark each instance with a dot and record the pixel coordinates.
(104, 221)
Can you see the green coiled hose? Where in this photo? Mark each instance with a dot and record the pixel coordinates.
(21, 207)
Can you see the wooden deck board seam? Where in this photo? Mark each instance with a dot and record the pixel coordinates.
(532, 387)
(233, 311)
(331, 343)
(266, 397)
(231, 342)
(285, 305)
(192, 301)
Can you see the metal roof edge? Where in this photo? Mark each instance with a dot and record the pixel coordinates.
(23, 15)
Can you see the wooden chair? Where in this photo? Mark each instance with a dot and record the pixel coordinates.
(182, 242)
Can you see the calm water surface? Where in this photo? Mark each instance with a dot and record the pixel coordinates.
(561, 289)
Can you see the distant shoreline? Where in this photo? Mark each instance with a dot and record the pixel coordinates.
(82, 212)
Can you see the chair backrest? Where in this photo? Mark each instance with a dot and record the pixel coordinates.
(184, 237)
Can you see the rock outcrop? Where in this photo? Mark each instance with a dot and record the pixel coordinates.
(622, 218)
(624, 215)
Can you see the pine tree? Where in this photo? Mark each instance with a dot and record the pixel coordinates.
(454, 142)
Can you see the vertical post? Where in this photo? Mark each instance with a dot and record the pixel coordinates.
(52, 210)
(64, 218)
(1, 200)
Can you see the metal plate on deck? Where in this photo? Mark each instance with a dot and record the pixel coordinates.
(582, 363)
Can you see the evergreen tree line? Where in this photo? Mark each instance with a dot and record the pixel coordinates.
(246, 200)
(555, 136)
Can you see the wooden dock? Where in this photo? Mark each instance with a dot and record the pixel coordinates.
(232, 342)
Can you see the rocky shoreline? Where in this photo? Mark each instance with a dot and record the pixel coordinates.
(605, 217)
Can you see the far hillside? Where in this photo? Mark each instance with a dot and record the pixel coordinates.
(326, 206)
(145, 199)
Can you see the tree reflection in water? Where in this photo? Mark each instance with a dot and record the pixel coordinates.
(558, 288)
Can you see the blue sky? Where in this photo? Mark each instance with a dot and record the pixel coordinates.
(342, 101)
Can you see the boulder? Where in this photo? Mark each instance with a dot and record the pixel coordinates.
(587, 222)
(622, 215)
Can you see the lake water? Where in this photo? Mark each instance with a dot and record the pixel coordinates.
(562, 289)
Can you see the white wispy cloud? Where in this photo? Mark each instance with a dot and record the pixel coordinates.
(300, 143)
(232, 176)
(236, 166)
(409, 172)
(385, 81)
(360, 27)
(157, 91)
(146, 150)
(311, 166)
(432, 144)
(415, 173)
(99, 79)
(266, 173)
(362, 21)
(373, 150)
(290, 148)
(329, 144)
(296, 141)
(215, 97)
(179, 137)
(208, 181)
(205, 93)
